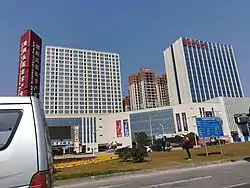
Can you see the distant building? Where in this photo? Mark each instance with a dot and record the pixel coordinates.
(142, 90)
(29, 69)
(199, 70)
(162, 90)
(126, 104)
(146, 90)
(81, 81)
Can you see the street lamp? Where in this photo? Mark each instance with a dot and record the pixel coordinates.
(93, 133)
(163, 132)
(151, 131)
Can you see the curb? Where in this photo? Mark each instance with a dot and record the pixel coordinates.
(140, 172)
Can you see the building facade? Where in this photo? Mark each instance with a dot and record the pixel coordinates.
(199, 70)
(142, 90)
(29, 69)
(81, 81)
(162, 90)
(96, 130)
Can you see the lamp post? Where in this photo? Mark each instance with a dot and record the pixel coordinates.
(93, 133)
(151, 131)
(163, 132)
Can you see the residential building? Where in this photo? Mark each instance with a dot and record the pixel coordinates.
(29, 69)
(199, 70)
(162, 90)
(142, 89)
(81, 81)
(126, 103)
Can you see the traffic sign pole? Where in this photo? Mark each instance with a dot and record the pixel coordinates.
(206, 148)
(221, 151)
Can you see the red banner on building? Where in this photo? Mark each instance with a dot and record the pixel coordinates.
(118, 128)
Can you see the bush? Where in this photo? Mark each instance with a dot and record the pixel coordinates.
(139, 154)
(157, 146)
(136, 154)
(124, 153)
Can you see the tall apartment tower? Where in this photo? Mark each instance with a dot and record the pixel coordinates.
(162, 90)
(142, 90)
(199, 70)
(29, 69)
(81, 81)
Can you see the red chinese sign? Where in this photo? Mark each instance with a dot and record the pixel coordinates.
(118, 128)
(189, 42)
(29, 65)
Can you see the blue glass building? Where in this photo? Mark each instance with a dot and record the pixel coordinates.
(199, 70)
(153, 123)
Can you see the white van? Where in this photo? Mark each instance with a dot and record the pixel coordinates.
(26, 159)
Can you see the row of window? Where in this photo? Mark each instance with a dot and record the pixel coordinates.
(81, 65)
(82, 59)
(87, 76)
(48, 49)
(101, 102)
(80, 68)
(81, 111)
(82, 107)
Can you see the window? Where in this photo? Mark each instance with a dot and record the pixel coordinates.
(9, 121)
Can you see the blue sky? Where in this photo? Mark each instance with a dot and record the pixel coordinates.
(139, 30)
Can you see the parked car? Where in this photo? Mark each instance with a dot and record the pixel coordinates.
(149, 150)
(26, 158)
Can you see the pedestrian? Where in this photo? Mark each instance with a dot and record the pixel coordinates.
(186, 144)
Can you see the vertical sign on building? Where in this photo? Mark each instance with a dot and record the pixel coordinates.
(184, 121)
(29, 65)
(125, 127)
(118, 128)
(178, 122)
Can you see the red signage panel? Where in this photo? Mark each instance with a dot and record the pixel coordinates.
(190, 42)
(29, 65)
(118, 128)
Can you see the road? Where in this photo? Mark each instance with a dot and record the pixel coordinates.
(229, 175)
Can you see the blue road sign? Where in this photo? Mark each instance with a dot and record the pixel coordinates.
(209, 127)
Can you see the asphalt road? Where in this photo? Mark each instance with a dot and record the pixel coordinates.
(230, 175)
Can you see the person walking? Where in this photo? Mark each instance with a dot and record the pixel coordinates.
(186, 144)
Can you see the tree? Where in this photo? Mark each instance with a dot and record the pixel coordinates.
(141, 139)
(139, 154)
(192, 136)
(157, 146)
(124, 153)
(178, 139)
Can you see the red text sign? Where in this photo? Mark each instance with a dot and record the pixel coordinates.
(189, 42)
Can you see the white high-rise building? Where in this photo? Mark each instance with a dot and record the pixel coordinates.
(200, 70)
(81, 81)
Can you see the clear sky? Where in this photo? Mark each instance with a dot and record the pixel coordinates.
(139, 30)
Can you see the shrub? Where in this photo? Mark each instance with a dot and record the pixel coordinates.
(124, 153)
(139, 154)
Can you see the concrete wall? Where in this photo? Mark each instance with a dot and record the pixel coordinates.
(109, 132)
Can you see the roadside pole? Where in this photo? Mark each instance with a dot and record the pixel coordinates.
(206, 147)
(221, 151)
